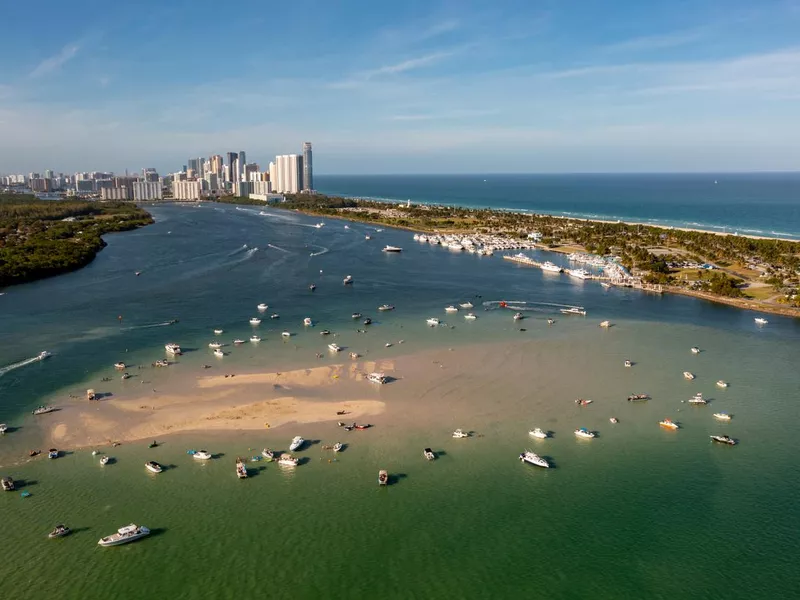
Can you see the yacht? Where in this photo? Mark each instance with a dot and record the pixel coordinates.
(451, 309)
(238, 342)
(455, 246)
(518, 316)
(59, 531)
(287, 460)
(219, 353)
(262, 307)
(458, 433)
(202, 455)
(308, 322)
(153, 466)
(45, 354)
(470, 316)
(761, 321)
(538, 433)
(428, 454)
(466, 305)
(695, 350)
(385, 307)
(7, 483)
(105, 460)
(433, 321)
(688, 375)
(534, 459)
(574, 310)
(255, 338)
(297, 441)
(613, 420)
(423, 238)
(377, 378)
(255, 321)
(219, 331)
(337, 447)
(722, 416)
(722, 383)
(628, 363)
(348, 280)
(698, 399)
(268, 454)
(124, 535)
(723, 439)
(215, 345)
(241, 468)
(356, 315)
(584, 433)
(173, 348)
(605, 324)
(120, 366)
(42, 410)
(579, 273)
(668, 424)
(334, 348)
(383, 477)
(286, 334)
(552, 268)
(392, 249)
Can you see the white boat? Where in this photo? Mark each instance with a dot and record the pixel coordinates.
(761, 320)
(202, 455)
(534, 459)
(669, 424)
(43, 410)
(429, 454)
(308, 322)
(297, 441)
(579, 273)
(538, 433)
(274, 316)
(392, 249)
(385, 307)
(219, 331)
(605, 284)
(433, 321)
(153, 466)
(172, 348)
(724, 439)
(455, 246)
(550, 267)
(451, 309)
(287, 460)
(105, 460)
(219, 353)
(120, 366)
(688, 375)
(238, 342)
(466, 305)
(43, 354)
(53, 453)
(698, 399)
(470, 316)
(286, 334)
(574, 310)
(722, 383)
(383, 477)
(348, 280)
(334, 348)
(268, 454)
(8, 484)
(458, 433)
(628, 363)
(377, 378)
(550, 321)
(518, 316)
(241, 468)
(126, 376)
(695, 350)
(337, 447)
(605, 324)
(255, 321)
(613, 420)
(722, 416)
(354, 355)
(366, 237)
(3, 428)
(319, 225)
(215, 345)
(584, 433)
(124, 535)
(262, 307)
(255, 338)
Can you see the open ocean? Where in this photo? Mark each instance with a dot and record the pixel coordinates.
(764, 204)
(636, 513)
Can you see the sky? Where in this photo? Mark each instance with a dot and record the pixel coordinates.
(453, 86)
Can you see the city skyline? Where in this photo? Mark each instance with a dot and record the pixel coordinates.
(417, 88)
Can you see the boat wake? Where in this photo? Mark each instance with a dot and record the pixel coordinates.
(238, 250)
(278, 248)
(246, 256)
(18, 365)
(321, 252)
(164, 324)
(524, 305)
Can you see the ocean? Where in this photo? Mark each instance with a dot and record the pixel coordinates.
(637, 512)
(763, 204)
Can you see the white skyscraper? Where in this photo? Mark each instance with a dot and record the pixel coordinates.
(288, 173)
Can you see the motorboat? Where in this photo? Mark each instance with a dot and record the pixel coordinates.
(385, 307)
(518, 316)
(534, 459)
(7, 483)
(605, 284)
(153, 466)
(387, 345)
(312, 287)
(124, 535)
(334, 348)
(215, 345)
(722, 383)
(638, 397)
(688, 375)
(723, 439)
(255, 321)
(287, 460)
(297, 442)
(628, 363)
(319, 225)
(262, 307)
(722, 416)
(126, 376)
(348, 280)
(367, 321)
(583, 402)
(356, 315)
(761, 321)
(538, 433)
(241, 468)
(579, 273)
(120, 366)
(105, 460)
(172, 349)
(668, 424)
(337, 447)
(286, 334)
(274, 316)
(458, 433)
(470, 316)
(613, 420)
(255, 339)
(428, 454)
(43, 354)
(325, 332)
(367, 237)
(698, 399)
(238, 342)
(308, 322)
(362, 427)
(574, 310)
(695, 350)
(159, 363)
(550, 267)
(268, 454)
(433, 321)
(550, 321)
(605, 324)
(43, 410)
(219, 331)
(3, 428)
(451, 309)
(383, 477)
(219, 353)
(392, 249)
(354, 355)
(377, 378)
(201, 455)
(59, 531)
(584, 433)
(466, 305)
(53, 453)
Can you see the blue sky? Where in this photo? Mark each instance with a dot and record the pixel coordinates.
(403, 87)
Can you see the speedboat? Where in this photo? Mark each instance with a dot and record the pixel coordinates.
(3, 427)
(42, 410)
(286, 334)
(334, 348)
(255, 321)
(377, 378)
(367, 321)
(470, 316)
(219, 331)
(287, 460)
(518, 316)
(392, 249)
(613, 420)
(695, 350)
(383, 477)
(451, 309)
(308, 322)
(458, 433)
(583, 402)
(538, 433)
(219, 353)
(202, 455)
(548, 266)
(59, 531)
(7, 483)
(605, 324)
(628, 363)
(354, 355)
(466, 305)
(356, 315)
(428, 454)
(238, 342)
(385, 307)
(319, 225)
(669, 424)
(268, 454)
(367, 237)
(722, 383)
(274, 316)
(761, 321)
(722, 416)
(584, 433)
(638, 397)
(297, 442)
(105, 460)
(698, 399)
(433, 321)
(312, 287)
(255, 338)
(337, 447)
(43, 354)
(124, 535)
(172, 348)
(120, 366)
(348, 280)
(241, 468)
(325, 332)
(723, 439)
(534, 459)
(153, 466)
(575, 310)
(688, 375)
(262, 307)
(215, 345)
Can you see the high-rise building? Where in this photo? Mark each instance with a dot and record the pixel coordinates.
(196, 165)
(273, 174)
(147, 190)
(217, 162)
(308, 168)
(48, 174)
(242, 158)
(288, 173)
(150, 174)
(232, 156)
(186, 190)
(117, 193)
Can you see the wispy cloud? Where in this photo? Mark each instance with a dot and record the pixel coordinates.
(55, 62)
(656, 42)
(410, 64)
(441, 116)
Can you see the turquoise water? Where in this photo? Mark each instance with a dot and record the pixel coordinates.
(637, 512)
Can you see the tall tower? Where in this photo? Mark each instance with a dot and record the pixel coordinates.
(232, 156)
(308, 168)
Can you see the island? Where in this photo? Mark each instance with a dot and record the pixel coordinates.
(42, 238)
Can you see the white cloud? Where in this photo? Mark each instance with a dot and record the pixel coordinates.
(55, 62)
(656, 42)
